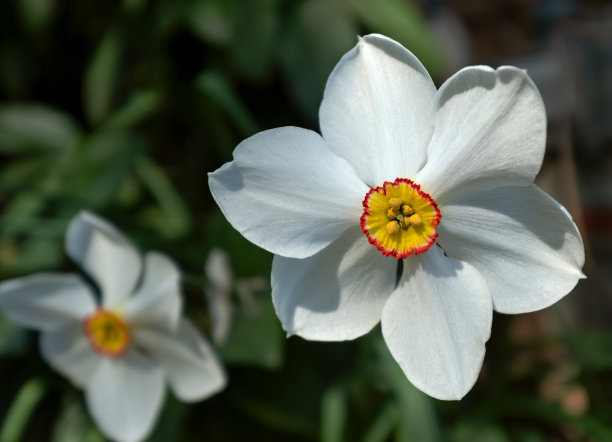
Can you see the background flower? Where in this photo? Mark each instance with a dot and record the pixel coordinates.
(124, 348)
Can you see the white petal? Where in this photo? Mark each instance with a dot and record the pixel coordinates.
(125, 396)
(376, 110)
(489, 129)
(191, 367)
(157, 301)
(69, 352)
(335, 295)
(105, 254)
(218, 270)
(287, 192)
(522, 241)
(437, 322)
(46, 301)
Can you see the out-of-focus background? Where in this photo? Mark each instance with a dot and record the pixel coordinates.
(121, 107)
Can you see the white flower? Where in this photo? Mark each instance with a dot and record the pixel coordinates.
(476, 235)
(122, 350)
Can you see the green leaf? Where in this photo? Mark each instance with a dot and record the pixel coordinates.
(23, 405)
(334, 411)
(38, 253)
(134, 6)
(74, 424)
(100, 78)
(256, 337)
(527, 407)
(13, 71)
(170, 421)
(210, 20)
(316, 37)
(26, 127)
(215, 87)
(21, 213)
(12, 337)
(21, 175)
(477, 432)
(403, 21)
(253, 260)
(101, 166)
(171, 218)
(418, 420)
(139, 107)
(36, 15)
(383, 425)
(253, 46)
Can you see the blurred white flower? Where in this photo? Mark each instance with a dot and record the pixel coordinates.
(218, 294)
(124, 349)
(352, 215)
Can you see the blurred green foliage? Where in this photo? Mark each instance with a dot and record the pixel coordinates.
(121, 107)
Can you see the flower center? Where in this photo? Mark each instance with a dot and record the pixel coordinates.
(399, 218)
(107, 333)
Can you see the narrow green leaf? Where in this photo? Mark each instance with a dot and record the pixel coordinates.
(253, 46)
(383, 425)
(170, 421)
(73, 422)
(100, 78)
(316, 36)
(28, 127)
(139, 106)
(277, 416)
(172, 217)
(215, 87)
(418, 420)
(36, 15)
(478, 432)
(256, 337)
(134, 6)
(12, 337)
(210, 20)
(103, 162)
(403, 21)
(334, 410)
(21, 409)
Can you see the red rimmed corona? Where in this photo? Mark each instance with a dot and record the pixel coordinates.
(399, 218)
(107, 332)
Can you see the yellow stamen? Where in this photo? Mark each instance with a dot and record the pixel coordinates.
(415, 219)
(107, 333)
(392, 227)
(399, 218)
(395, 204)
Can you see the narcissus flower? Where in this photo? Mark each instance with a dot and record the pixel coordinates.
(123, 349)
(416, 208)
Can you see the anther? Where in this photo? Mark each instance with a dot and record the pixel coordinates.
(415, 219)
(395, 204)
(407, 210)
(392, 227)
(391, 214)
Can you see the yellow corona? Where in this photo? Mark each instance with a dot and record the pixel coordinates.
(400, 219)
(107, 333)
